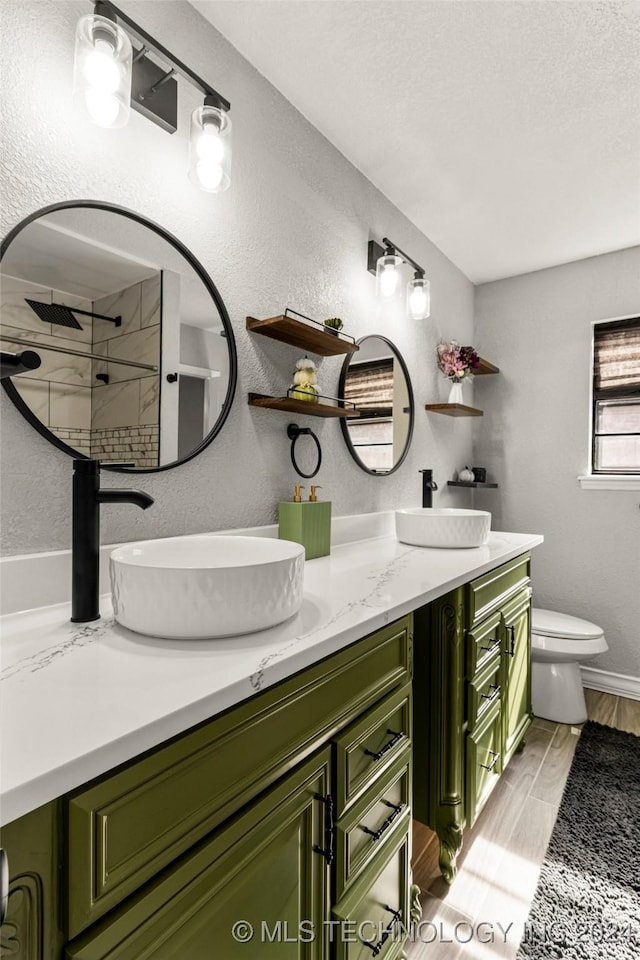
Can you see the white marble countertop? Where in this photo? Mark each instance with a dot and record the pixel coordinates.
(76, 702)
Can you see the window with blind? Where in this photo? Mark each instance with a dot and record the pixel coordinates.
(616, 397)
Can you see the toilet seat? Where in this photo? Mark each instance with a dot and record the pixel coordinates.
(550, 623)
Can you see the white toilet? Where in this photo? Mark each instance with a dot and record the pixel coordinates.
(559, 644)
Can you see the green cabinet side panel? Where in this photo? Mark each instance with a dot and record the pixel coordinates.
(131, 824)
(439, 706)
(31, 930)
(264, 870)
(516, 679)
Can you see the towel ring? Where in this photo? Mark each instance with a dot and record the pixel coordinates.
(293, 432)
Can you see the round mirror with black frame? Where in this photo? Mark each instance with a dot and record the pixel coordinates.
(138, 358)
(376, 379)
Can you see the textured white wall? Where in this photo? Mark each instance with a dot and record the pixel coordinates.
(534, 439)
(292, 230)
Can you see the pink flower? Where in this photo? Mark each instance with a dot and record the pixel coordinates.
(457, 362)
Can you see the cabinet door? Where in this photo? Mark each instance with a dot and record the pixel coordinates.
(264, 871)
(516, 685)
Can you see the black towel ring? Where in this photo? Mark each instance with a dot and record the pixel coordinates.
(293, 432)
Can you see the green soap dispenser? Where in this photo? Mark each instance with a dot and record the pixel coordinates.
(307, 522)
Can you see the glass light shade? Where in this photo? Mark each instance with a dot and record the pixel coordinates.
(388, 285)
(102, 71)
(210, 149)
(418, 299)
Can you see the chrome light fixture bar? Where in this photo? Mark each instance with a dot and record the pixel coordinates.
(384, 263)
(111, 75)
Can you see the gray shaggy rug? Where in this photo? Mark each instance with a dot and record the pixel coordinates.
(587, 903)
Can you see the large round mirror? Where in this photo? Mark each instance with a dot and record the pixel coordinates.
(138, 360)
(376, 379)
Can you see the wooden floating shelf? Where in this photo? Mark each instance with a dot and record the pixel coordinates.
(454, 410)
(485, 368)
(469, 483)
(299, 406)
(302, 335)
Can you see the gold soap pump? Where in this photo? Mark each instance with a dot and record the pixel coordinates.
(297, 493)
(313, 497)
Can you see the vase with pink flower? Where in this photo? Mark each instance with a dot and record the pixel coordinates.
(457, 364)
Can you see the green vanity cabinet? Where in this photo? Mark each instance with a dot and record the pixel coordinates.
(472, 698)
(238, 819)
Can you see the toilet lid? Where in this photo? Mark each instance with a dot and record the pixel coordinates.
(548, 623)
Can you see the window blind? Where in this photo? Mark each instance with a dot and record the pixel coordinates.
(370, 386)
(616, 397)
(617, 356)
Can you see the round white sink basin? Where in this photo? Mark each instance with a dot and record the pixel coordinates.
(445, 527)
(190, 588)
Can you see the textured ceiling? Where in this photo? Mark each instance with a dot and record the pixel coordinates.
(508, 132)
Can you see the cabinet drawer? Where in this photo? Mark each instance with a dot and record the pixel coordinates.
(367, 748)
(364, 830)
(484, 761)
(130, 825)
(488, 592)
(483, 691)
(375, 910)
(483, 644)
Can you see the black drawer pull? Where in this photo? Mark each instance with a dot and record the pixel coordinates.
(490, 766)
(491, 696)
(512, 650)
(494, 643)
(329, 829)
(397, 809)
(386, 933)
(395, 736)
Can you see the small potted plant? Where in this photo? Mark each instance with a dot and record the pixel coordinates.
(333, 325)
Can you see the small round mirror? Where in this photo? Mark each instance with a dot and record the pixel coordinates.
(376, 379)
(138, 360)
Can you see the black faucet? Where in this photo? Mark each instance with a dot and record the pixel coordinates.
(85, 558)
(428, 486)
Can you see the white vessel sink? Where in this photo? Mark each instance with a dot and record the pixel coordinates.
(206, 586)
(445, 527)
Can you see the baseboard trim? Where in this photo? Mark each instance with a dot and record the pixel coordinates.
(615, 683)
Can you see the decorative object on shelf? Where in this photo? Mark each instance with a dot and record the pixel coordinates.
(466, 475)
(310, 335)
(333, 325)
(294, 432)
(479, 474)
(455, 393)
(111, 75)
(304, 386)
(385, 263)
(456, 362)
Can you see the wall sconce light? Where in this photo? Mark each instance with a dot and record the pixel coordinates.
(111, 75)
(385, 262)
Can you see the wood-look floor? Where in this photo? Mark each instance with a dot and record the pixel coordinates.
(499, 864)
